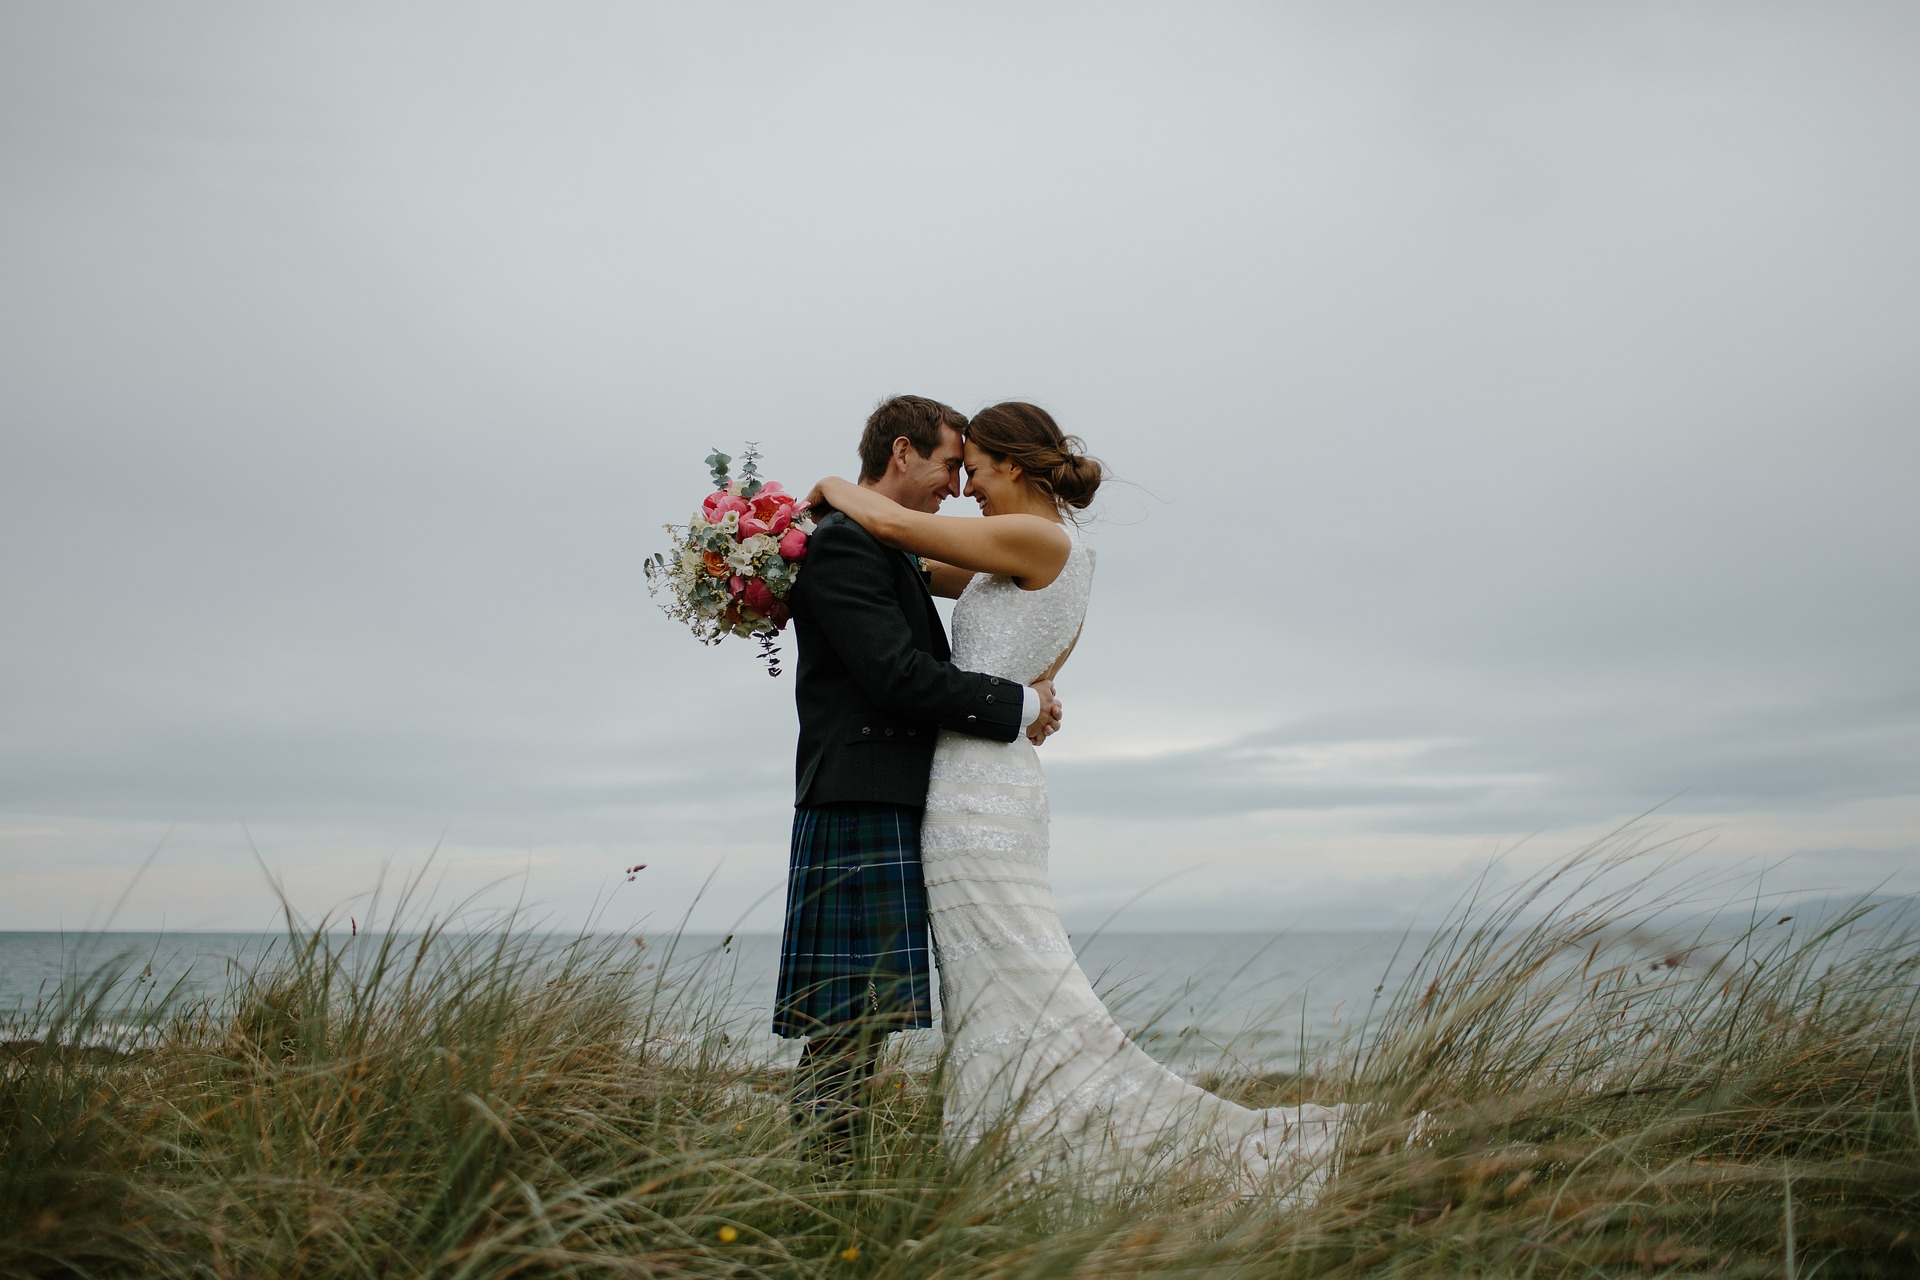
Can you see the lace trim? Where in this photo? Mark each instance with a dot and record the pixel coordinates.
(1002, 844)
(954, 804)
(982, 877)
(950, 769)
(967, 746)
(978, 1045)
(1038, 943)
(993, 975)
(965, 830)
(1034, 858)
(957, 918)
(1034, 788)
(1022, 1008)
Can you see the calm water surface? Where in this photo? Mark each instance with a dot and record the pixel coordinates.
(1196, 1001)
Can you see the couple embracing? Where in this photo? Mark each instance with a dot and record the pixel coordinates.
(921, 804)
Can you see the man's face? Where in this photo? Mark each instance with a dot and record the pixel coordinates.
(931, 480)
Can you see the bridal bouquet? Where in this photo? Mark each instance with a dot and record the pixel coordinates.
(732, 565)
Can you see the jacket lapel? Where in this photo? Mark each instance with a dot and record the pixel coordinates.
(936, 633)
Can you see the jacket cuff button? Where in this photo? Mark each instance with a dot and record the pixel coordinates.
(971, 719)
(989, 697)
(866, 728)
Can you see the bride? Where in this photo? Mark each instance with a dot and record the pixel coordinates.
(1031, 1049)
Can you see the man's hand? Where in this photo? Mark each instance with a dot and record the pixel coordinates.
(1047, 723)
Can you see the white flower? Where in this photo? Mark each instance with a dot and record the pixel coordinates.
(741, 555)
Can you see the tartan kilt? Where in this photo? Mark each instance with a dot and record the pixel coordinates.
(855, 943)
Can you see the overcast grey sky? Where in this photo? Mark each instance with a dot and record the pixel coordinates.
(1520, 402)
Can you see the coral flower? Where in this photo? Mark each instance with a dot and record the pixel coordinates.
(715, 562)
(774, 508)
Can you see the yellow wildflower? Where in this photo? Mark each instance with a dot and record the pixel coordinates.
(727, 1235)
(850, 1254)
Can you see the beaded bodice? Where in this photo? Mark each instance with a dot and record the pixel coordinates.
(1015, 634)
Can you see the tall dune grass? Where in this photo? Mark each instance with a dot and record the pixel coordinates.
(1736, 1104)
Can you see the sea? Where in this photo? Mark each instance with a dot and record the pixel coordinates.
(1199, 1002)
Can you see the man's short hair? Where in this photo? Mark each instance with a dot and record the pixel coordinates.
(917, 418)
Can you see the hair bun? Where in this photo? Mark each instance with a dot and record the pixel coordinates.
(1026, 434)
(1076, 478)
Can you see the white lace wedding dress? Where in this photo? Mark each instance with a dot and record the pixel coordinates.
(1031, 1052)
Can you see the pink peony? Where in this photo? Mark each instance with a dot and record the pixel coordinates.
(794, 545)
(759, 596)
(719, 502)
(772, 510)
(736, 584)
(770, 500)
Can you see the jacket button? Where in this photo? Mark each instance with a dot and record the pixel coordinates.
(889, 733)
(866, 728)
(971, 719)
(989, 697)
(993, 679)
(911, 731)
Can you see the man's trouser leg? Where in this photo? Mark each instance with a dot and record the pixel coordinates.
(833, 1073)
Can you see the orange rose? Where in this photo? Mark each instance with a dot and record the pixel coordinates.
(716, 563)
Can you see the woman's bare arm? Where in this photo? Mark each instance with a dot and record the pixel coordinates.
(947, 581)
(1029, 549)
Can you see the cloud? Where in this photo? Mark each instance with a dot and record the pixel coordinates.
(1524, 772)
(1514, 408)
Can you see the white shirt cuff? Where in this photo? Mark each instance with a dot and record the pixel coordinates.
(1029, 708)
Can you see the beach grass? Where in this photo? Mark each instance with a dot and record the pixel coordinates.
(1581, 1103)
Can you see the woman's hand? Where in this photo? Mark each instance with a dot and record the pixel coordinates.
(878, 514)
(818, 499)
(1047, 723)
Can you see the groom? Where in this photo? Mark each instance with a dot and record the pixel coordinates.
(874, 687)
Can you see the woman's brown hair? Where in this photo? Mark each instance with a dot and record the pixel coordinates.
(1027, 436)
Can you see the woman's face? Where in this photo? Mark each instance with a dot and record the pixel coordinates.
(993, 483)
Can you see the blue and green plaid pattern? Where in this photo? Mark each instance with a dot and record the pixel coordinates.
(855, 945)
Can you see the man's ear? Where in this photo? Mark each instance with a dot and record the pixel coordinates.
(901, 447)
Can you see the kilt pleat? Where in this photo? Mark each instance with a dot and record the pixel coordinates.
(855, 942)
